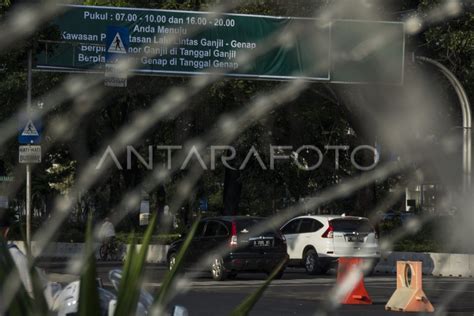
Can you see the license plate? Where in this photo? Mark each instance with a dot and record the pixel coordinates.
(262, 243)
(355, 239)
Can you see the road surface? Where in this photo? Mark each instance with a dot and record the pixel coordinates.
(300, 294)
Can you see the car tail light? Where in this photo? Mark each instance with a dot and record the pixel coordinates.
(233, 237)
(329, 233)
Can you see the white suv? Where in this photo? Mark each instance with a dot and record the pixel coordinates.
(318, 241)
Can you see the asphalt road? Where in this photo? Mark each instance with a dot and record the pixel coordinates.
(299, 294)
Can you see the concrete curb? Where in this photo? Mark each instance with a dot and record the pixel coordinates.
(61, 251)
(436, 264)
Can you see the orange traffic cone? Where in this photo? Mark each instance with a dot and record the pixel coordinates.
(409, 295)
(358, 294)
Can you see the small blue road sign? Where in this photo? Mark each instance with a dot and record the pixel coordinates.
(29, 131)
(203, 204)
(117, 43)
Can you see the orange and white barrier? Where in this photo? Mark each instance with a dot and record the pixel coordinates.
(352, 268)
(409, 295)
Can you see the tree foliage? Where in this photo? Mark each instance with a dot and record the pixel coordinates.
(317, 117)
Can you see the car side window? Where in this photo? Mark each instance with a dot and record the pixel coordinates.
(306, 225)
(211, 229)
(222, 230)
(309, 225)
(317, 225)
(200, 230)
(291, 227)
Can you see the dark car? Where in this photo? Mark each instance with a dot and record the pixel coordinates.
(230, 245)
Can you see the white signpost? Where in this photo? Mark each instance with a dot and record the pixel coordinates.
(29, 154)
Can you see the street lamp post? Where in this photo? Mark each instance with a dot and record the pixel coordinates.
(466, 119)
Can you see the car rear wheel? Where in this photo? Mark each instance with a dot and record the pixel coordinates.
(218, 270)
(311, 262)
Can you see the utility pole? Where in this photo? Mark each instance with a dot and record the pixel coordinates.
(466, 120)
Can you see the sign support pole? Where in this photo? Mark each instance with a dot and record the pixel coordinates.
(28, 166)
(466, 121)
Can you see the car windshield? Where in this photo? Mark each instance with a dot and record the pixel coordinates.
(352, 225)
(247, 225)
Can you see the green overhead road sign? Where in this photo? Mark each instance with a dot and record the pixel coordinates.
(180, 48)
(186, 43)
(366, 51)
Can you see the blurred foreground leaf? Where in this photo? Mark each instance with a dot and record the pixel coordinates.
(246, 306)
(165, 288)
(89, 304)
(21, 303)
(41, 306)
(130, 284)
